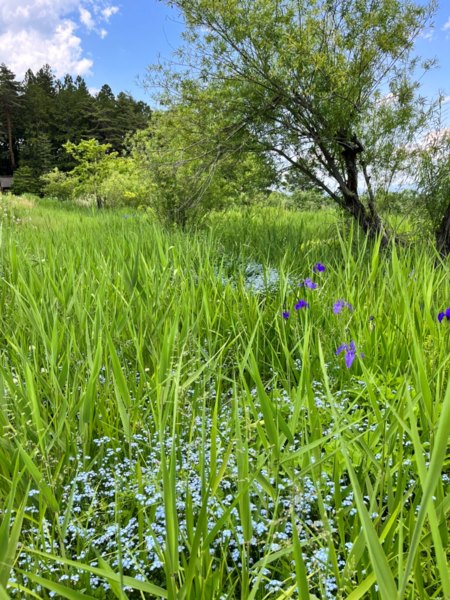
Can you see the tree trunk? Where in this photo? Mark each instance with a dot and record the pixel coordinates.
(443, 234)
(376, 220)
(370, 225)
(8, 123)
(369, 221)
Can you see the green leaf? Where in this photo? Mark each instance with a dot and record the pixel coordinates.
(56, 587)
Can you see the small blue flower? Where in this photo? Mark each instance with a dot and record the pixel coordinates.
(319, 268)
(286, 314)
(309, 284)
(301, 304)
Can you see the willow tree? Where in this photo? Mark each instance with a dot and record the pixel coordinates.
(328, 87)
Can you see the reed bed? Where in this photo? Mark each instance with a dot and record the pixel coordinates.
(173, 427)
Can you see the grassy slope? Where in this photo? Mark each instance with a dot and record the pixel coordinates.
(170, 432)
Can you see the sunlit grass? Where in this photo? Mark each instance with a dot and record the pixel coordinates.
(167, 433)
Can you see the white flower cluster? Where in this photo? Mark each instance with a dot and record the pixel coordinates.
(116, 501)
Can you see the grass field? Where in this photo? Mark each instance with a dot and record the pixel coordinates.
(168, 433)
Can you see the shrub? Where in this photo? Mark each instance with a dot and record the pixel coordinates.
(58, 184)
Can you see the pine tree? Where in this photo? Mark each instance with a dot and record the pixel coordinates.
(39, 116)
(26, 182)
(39, 103)
(130, 116)
(38, 121)
(10, 96)
(74, 117)
(105, 118)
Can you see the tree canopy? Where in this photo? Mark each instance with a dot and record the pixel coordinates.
(41, 114)
(326, 87)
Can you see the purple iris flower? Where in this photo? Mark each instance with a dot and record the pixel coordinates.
(350, 353)
(371, 318)
(301, 304)
(319, 267)
(341, 347)
(349, 358)
(339, 305)
(441, 315)
(309, 284)
(286, 314)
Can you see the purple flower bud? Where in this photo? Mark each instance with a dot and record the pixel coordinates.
(286, 315)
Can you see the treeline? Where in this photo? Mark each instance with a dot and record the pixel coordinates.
(42, 113)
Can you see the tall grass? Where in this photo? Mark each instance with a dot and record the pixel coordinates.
(168, 434)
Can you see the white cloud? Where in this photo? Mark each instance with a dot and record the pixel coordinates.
(109, 11)
(35, 32)
(433, 139)
(86, 18)
(447, 25)
(387, 99)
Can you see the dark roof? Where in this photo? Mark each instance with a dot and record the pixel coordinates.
(5, 182)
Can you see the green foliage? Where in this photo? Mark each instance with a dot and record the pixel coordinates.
(10, 103)
(58, 184)
(46, 112)
(185, 183)
(127, 185)
(309, 200)
(303, 80)
(26, 180)
(117, 117)
(180, 439)
(405, 202)
(94, 163)
(433, 179)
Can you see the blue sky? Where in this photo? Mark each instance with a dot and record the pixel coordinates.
(436, 43)
(136, 35)
(111, 42)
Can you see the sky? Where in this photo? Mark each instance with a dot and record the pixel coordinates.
(105, 42)
(112, 42)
